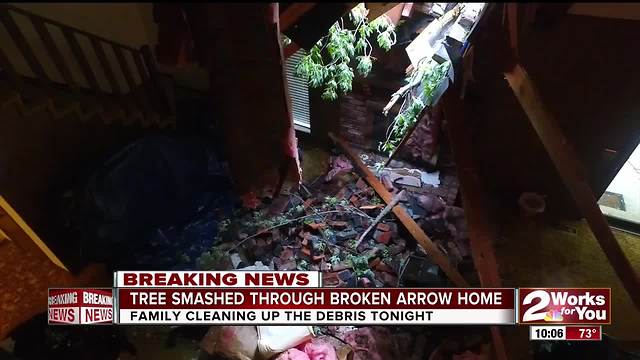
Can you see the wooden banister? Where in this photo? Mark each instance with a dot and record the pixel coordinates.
(54, 52)
(65, 26)
(151, 94)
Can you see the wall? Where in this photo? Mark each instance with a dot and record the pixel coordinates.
(356, 122)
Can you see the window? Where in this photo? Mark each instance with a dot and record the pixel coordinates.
(298, 92)
(621, 201)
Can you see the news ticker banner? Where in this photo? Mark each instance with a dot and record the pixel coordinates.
(298, 298)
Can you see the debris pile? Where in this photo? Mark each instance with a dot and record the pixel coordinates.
(341, 227)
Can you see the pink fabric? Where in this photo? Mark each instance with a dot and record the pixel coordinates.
(339, 164)
(293, 354)
(310, 351)
(320, 351)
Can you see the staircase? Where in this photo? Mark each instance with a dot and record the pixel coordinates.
(124, 88)
(68, 99)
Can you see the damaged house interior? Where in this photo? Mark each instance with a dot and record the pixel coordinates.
(382, 144)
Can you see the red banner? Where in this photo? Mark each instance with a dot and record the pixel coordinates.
(319, 298)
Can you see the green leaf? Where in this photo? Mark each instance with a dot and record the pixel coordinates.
(364, 65)
(346, 50)
(329, 94)
(361, 45)
(384, 40)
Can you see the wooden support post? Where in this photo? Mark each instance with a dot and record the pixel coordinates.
(481, 233)
(414, 229)
(573, 175)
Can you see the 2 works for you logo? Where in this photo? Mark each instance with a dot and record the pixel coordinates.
(564, 306)
(80, 306)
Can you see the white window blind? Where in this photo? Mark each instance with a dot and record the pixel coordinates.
(299, 93)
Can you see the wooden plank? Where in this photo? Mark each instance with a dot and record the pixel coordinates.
(55, 54)
(414, 229)
(292, 14)
(23, 46)
(104, 63)
(573, 175)
(14, 227)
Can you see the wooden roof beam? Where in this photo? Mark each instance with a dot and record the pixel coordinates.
(293, 13)
(378, 9)
(573, 175)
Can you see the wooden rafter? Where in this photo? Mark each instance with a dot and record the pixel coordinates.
(572, 172)
(292, 14)
(378, 9)
(13, 227)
